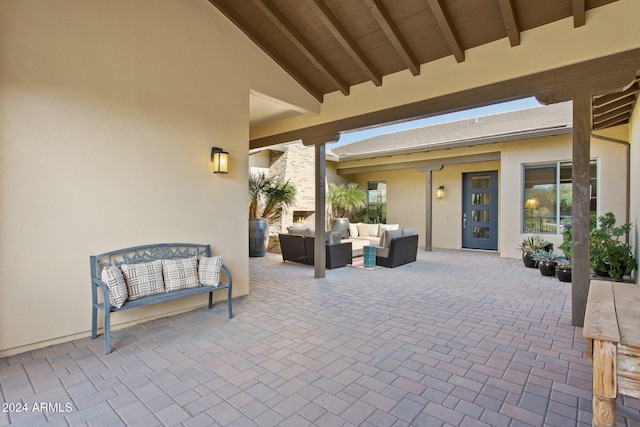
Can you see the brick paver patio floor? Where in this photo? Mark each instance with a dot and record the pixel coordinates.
(458, 338)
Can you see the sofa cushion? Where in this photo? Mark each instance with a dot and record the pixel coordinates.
(209, 270)
(113, 278)
(143, 279)
(385, 242)
(353, 229)
(363, 230)
(383, 227)
(298, 230)
(382, 252)
(373, 229)
(407, 231)
(180, 273)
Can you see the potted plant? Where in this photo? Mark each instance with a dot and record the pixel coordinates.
(343, 199)
(547, 261)
(610, 256)
(530, 245)
(563, 269)
(267, 198)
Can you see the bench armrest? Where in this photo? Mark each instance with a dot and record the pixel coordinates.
(99, 284)
(229, 279)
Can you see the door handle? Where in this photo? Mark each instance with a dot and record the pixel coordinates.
(464, 220)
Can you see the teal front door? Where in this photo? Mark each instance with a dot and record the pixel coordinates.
(480, 210)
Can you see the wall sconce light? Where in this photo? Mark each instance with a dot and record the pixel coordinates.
(220, 159)
(440, 192)
(531, 203)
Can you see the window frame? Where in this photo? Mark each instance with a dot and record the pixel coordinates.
(558, 164)
(383, 203)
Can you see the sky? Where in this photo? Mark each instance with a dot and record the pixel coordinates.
(349, 137)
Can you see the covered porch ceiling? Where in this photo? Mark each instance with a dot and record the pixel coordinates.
(330, 46)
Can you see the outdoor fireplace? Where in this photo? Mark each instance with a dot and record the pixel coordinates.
(299, 217)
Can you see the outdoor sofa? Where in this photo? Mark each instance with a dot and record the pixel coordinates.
(300, 248)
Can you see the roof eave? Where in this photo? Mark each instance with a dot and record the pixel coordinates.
(491, 139)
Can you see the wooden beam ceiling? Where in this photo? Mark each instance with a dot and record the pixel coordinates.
(381, 15)
(579, 13)
(510, 21)
(448, 31)
(331, 45)
(263, 44)
(340, 33)
(281, 22)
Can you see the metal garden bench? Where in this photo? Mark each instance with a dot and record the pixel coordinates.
(144, 254)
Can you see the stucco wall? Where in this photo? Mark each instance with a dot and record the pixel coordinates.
(447, 212)
(406, 197)
(108, 111)
(611, 182)
(406, 188)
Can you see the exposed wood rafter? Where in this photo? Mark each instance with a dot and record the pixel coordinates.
(446, 26)
(622, 102)
(579, 10)
(605, 100)
(266, 47)
(615, 108)
(280, 21)
(347, 42)
(613, 114)
(381, 15)
(510, 21)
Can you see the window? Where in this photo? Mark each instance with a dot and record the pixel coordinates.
(547, 196)
(377, 202)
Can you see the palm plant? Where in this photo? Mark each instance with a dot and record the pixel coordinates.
(272, 195)
(345, 198)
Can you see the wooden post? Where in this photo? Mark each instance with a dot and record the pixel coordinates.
(605, 389)
(428, 229)
(320, 254)
(580, 206)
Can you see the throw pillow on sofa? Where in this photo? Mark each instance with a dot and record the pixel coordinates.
(373, 229)
(143, 279)
(180, 273)
(209, 270)
(407, 232)
(363, 230)
(353, 229)
(113, 278)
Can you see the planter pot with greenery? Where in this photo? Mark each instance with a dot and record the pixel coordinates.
(344, 199)
(547, 261)
(610, 255)
(529, 246)
(563, 272)
(267, 197)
